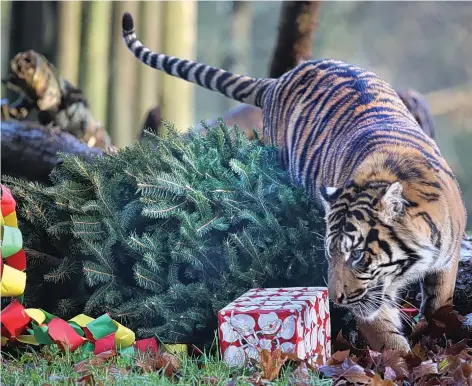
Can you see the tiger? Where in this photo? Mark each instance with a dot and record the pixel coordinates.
(392, 206)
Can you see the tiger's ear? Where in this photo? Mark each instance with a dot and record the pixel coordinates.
(329, 196)
(392, 203)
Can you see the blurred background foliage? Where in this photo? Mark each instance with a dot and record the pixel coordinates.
(422, 45)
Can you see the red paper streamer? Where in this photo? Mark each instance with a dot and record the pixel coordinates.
(17, 261)
(106, 343)
(147, 344)
(8, 202)
(64, 335)
(14, 318)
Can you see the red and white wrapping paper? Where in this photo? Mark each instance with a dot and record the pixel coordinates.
(295, 319)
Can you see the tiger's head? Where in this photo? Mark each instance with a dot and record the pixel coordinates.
(367, 243)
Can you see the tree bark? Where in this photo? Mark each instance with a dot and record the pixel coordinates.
(177, 95)
(5, 41)
(294, 44)
(123, 87)
(237, 60)
(150, 31)
(70, 24)
(94, 75)
(29, 150)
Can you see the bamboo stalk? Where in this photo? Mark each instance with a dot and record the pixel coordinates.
(70, 23)
(445, 101)
(241, 23)
(150, 29)
(177, 97)
(95, 77)
(123, 103)
(5, 42)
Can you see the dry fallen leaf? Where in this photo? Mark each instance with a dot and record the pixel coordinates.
(419, 351)
(149, 362)
(87, 380)
(349, 371)
(169, 362)
(95, 361)
(117, 372)
(338, 357)
(424, 369)
(441, 355)
(210, 380)
(445, 321)
(300, 376)
(378, 381)
(395, 361)
(271, 362)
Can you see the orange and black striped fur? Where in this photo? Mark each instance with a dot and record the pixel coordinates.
(394, 212)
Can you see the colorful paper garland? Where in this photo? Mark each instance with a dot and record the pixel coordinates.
(36, 326)
(13, 261)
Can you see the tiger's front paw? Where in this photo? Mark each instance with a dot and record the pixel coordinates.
(389, 340)
(396, 342)
(383, 333)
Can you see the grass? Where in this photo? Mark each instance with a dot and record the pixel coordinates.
(49, 366)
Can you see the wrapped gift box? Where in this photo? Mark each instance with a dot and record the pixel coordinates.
(294, 319)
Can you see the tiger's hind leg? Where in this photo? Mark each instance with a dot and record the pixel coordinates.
(438, 288)
(385, 331)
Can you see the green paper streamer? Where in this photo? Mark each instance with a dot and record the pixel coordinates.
(49, 316)
(127, 354)
(88, 347)
(41, 334)
(101, 327)
(85, 350)
(77, 328)
(12, 241)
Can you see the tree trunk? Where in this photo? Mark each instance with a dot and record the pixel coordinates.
(68, 55)
(294, 44)
(123, 90)
(240, 39)
(5, 40)
(177, 95)
(150, 30)
(95, 77)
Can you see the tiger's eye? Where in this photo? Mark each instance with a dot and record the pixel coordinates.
(357, 254)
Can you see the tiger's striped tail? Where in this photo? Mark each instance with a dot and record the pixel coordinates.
(241, 88)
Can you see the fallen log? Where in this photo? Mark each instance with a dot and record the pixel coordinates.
(29, 150)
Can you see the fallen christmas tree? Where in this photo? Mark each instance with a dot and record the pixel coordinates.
(166, 232)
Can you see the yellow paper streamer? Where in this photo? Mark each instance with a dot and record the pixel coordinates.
(28, 339)
(36, 314)
(13, 282)
(11, 220)
(81, 320)
(176, 348)
(124, 337)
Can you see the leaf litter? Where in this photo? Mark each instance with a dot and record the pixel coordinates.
(441, 355)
